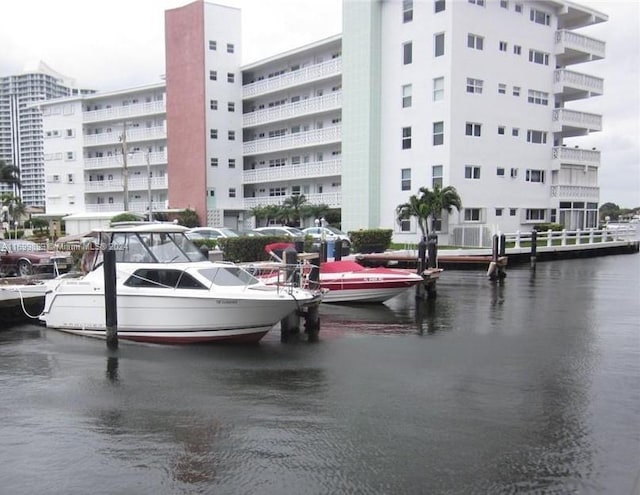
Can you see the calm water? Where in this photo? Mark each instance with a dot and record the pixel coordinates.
(531, 386)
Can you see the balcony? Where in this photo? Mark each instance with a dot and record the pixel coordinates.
(575, 156)
(291, 141)
(290, 172)
(128, 112)
(333, 200)
(134, 206)
(571, 85)
(135, 159)
(312, 73)
(574, 48)
(570, 123)
(573, 193)
(310, 106)
(133, 135)
(135, 184)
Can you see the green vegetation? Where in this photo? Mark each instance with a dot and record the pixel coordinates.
(370, 241)
(428, 206)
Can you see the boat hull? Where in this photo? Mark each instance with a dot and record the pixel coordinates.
(340, 291)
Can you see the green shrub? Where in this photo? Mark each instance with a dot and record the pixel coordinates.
(371, 241)
(543, 227)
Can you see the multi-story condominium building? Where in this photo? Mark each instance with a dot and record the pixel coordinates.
(21, 136)
(473, 94)
(106, 152)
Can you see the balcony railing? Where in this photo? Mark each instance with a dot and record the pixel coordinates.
(135, 184)
(311, 73)
(586, 193)
(298, 109)
(296, 140)
(125, 112)
(575, 156)
(134, 206)
(133, 135)
(333, 200)
(572, 123)
(573, 85)
(289, 172)
(574, 48)
(135, 159)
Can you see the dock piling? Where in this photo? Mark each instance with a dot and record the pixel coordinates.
(534, 246)
(110, 298)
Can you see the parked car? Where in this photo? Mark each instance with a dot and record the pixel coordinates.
(210, 233)
(331, 234)
(26, 257)
(282, 231)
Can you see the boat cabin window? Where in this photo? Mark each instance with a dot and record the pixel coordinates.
(228, 276)
(161, 278)
(154, 247)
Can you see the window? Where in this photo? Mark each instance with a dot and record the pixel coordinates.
(436, 176)
(231, 106)
(70, 155)
(504, 4)
(517, 50)
(438, 133)
(514, 173)
(538, 97)
(70, 178)
(438, 89)
(406, 95)
(533, 175)
(474, 85)
(406, 138)
(407, 10)
(231, 77)
(70, 132)
(500, 171)
(536, 137)
(538, 57)
(440, 5)
(405, 182)
(516, 91)
(232, 192)
(230, 48)
(477, 2)
(439, 44)
(407, 53)
(472, 214)
(502, 89)
(213, 162)
(501, 130)
(473, 129)
(213, 133)
(213, 104)
(471, 172)
(213, 45)
(535, 214)
(498, 212)
(213, 75)
(405, 225)
(539, 17)
(502, 46)
(518, 8)
(231, 135)
(515, 132)
(232, 163)
(475, 41)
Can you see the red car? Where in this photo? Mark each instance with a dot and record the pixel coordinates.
(26, 257)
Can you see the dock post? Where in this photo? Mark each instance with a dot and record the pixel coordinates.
(337, 250)
(422, 265)
(323, 251)
(534, 247)
(432, 262)
(312, 322)
(290, 324)
(502, 251)
(110, 298)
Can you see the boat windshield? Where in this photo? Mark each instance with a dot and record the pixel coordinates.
(228, 276)
(154, 247)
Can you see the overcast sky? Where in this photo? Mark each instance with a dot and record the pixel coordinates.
(118, 44)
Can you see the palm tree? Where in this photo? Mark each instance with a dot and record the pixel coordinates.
(295, 203)
(428, 206)
(9, 174)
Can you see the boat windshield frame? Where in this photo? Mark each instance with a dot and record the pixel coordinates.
(228, 276)
(153, 247)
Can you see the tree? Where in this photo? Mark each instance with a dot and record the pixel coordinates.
(9, 174)
(610, 210)
(428, 205)
(188, 218)
(16, 207)
(295, 203)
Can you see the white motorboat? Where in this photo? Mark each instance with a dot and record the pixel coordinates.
(168, 292)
